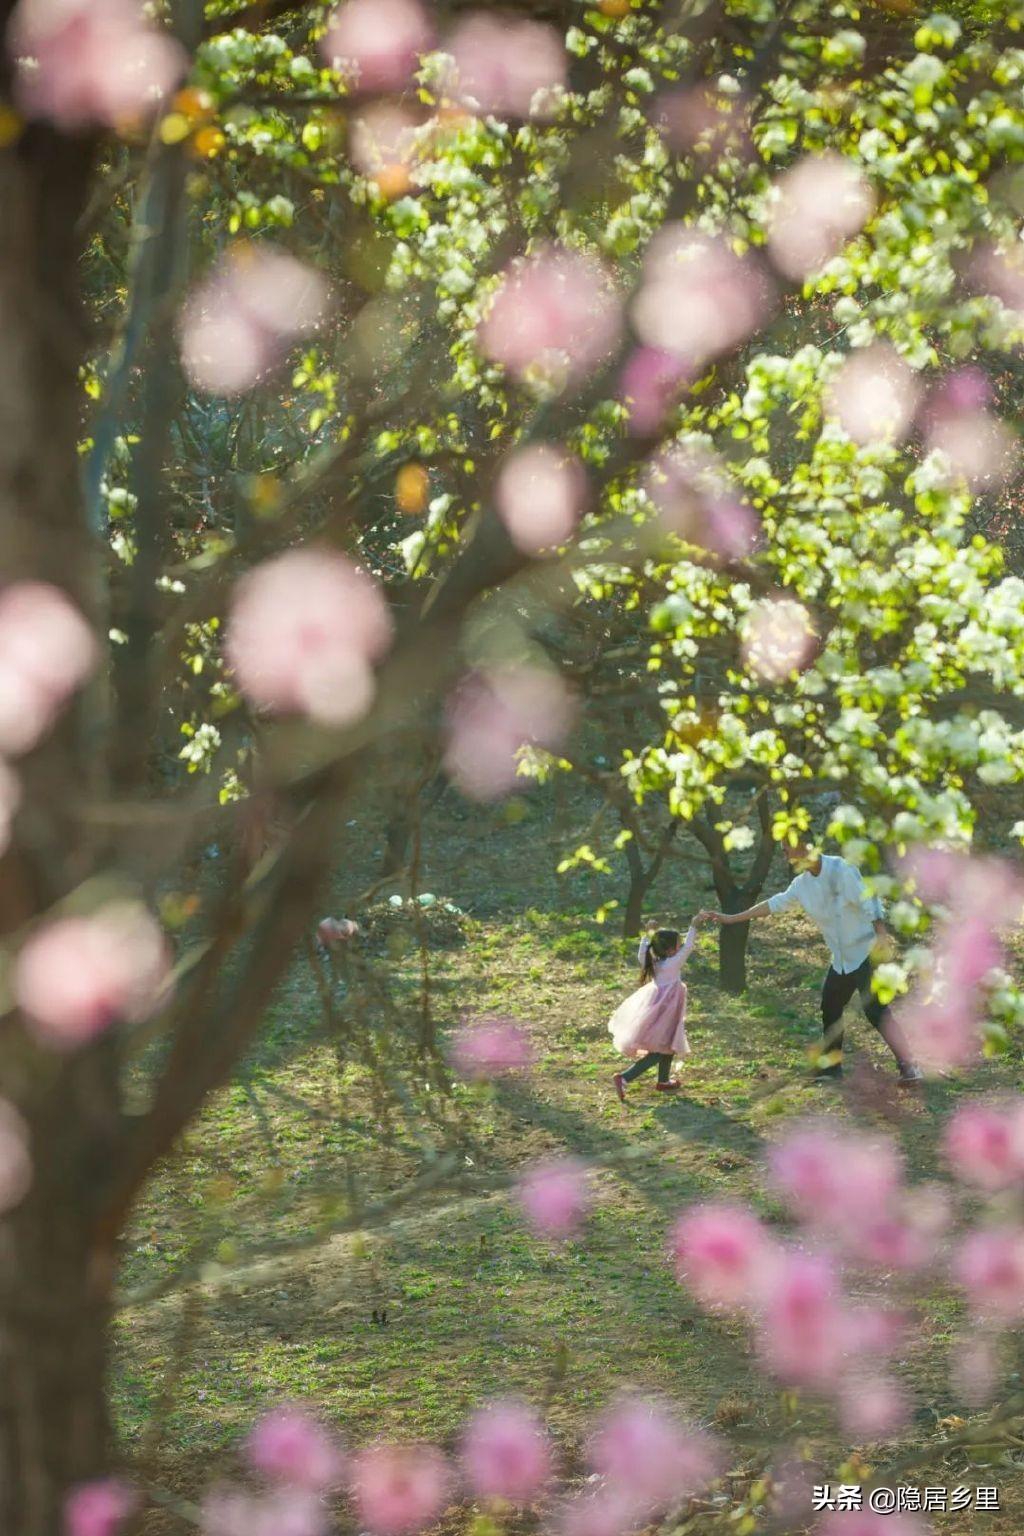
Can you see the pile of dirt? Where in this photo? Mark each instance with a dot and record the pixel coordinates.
(425, 919)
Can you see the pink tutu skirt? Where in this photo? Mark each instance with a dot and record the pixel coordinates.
(653, 1019)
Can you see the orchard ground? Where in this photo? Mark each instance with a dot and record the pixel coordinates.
(475, 1306)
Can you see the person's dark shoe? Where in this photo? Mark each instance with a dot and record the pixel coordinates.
(911, 1077)
(672, 1086)
(829, 1075)
(620, 1086)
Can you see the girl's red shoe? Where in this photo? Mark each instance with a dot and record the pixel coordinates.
(672, 1086)
(620, 1086)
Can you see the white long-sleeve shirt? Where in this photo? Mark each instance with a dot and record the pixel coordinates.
(836, 900)
(666, 971)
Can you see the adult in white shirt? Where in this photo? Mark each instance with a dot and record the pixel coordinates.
(832, 893)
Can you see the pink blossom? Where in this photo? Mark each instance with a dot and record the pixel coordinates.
(872, 1407)
(985, 890)
(1000, 272)
(778, 638)
(506, 1453)
(723, 1254)
(302, 633)
(555, 312)
(984, 1144)
(76, 976)
(289, 1446)
(821, 203)
(830, 1176)
(333, 932)
(611, 1511)
(46, 652)
(694, 504)
(86, 62)
(15, 1158)
(492, 715)
(698, 298)
(974, 1370)
(651, 382)
(99, 1509)
(378, 42)
(981, 449)
(282, 1512)
(540, 494)
(695, 119)
(864, 1522)
(872, 1332)
(239, 322)
(968, 951)
(555, 1197)
(941, 1031)
(990, 1266)
(904, 1237)
(491, 1047)
(965, 389)
(801, 1327)
(642, 1448)
(399, 1489)
(508, 68)
(875, 395)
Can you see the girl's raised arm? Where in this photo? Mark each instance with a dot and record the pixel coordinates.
(688, 943)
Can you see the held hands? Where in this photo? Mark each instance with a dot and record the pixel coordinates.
(705, 916)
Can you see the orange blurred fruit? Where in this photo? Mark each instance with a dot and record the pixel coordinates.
(412, 488)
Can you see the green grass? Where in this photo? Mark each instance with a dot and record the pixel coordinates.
(475, 1306)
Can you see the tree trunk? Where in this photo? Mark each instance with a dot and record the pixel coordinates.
(732, 957)
(56, 1284)
(633, 917)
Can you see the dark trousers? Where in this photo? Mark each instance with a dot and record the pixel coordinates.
(836, 993)
(645, 1063)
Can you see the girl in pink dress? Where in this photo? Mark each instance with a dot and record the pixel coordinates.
(651, 1024)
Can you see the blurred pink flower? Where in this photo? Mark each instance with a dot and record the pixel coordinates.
(694, 504)
(47, 650)
(491, 1047)
(239, 322)
(833, 1176)
(555, 311)
(333, 932)
(698, 298)
(641, 1448)
(723, 1254)
(968, 951)
(494, 713)
(91, 62)
(875, 395)
(289, 1446)
(555, 1197)
(303, 630)
(694, 118)
(651, 382)
(399, 1489)
(76, 976)
(283, 1512)
(540, 494)
(941, 1031)
(964, 390)
(989, 1265)
(871, 1407)
(984, 1144)
(872, 1332)
(506, 1453)
(906, 1237)
(382, 137)
(99, 1509)
(801, 1326)
(777, 638)
(1001, 273)
(611, 1511)
(378, 42)
(506, 67)
(981, 448)
(974, 1370)
(980, 889)
(822, 202)
(15, 1158)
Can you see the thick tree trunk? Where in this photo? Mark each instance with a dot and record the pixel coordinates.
(732, 956)
(633, 916)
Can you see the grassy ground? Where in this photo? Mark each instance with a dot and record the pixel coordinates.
(474, 1305)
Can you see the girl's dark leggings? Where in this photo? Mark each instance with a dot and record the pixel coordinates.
(644, 1065)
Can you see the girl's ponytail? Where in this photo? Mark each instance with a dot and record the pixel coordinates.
(661, 944)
